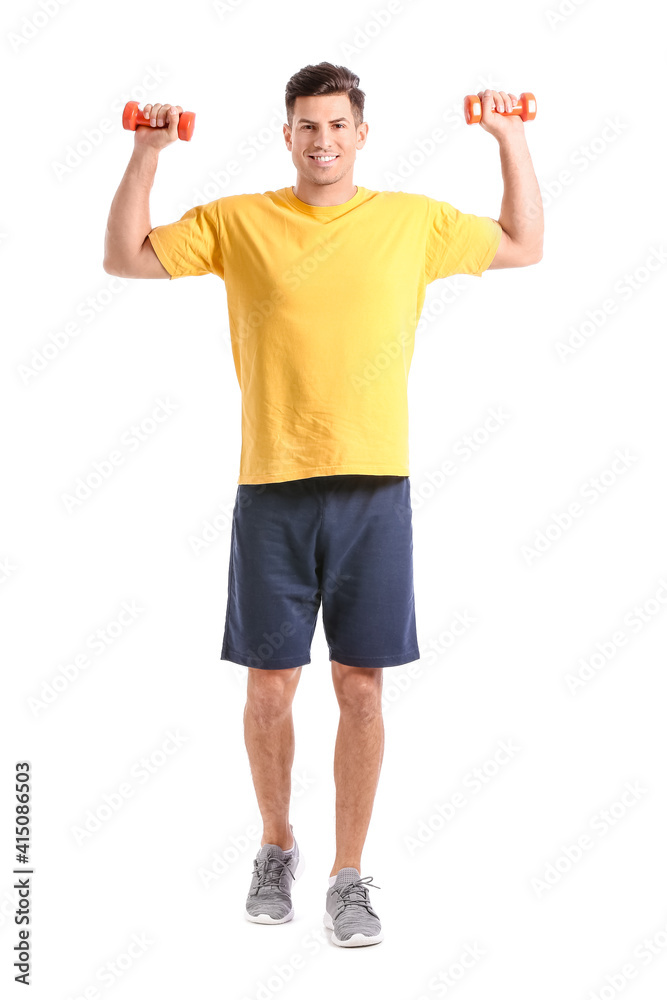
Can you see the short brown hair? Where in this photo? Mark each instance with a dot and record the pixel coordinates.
(325, 78)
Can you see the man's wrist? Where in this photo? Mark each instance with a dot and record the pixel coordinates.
(514, 138)
(144, 160)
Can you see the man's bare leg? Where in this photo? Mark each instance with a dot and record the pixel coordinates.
(358, 757)
(269, 739)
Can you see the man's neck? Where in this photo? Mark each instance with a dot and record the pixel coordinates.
(324, 195)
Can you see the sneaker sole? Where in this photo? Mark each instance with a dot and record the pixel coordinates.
(264, 918)
(356, 941)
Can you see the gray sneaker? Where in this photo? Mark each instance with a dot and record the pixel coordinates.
(270, 898)
(349, 913)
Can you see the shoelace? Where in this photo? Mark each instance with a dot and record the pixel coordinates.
(270, 876)
(359, 886)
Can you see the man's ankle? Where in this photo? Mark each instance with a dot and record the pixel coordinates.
(285, 841)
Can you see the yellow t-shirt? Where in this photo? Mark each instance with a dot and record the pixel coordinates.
(323, 305)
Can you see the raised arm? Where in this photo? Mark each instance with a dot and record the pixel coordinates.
(127, 250)
(521, 212)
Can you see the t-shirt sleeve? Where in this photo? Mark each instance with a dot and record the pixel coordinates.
(458, 242)
(193, 245)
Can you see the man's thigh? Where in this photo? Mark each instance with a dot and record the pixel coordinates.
(273, 585)
(368, 605)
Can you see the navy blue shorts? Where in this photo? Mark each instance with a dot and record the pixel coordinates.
(342, 541)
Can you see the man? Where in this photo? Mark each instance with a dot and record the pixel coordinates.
(325, 283)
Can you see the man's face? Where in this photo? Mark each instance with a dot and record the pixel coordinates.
(324, 126)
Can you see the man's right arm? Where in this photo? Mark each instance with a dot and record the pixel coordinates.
(127, 249)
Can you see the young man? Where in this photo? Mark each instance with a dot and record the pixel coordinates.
(325, 283)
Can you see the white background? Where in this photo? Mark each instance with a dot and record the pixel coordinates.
(446, 886)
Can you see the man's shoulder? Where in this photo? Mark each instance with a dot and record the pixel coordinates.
(411, 205)
(246, 199)
(409, 200)
(395, 195)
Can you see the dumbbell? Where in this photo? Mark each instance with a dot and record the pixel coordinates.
(526, 108)
(132, 118)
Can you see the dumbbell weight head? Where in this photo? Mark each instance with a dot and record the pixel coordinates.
(529, 103)
(186, 125)
(130, 112)
(132, 119)
(472, 108)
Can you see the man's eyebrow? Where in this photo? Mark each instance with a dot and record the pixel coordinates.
(332, 121)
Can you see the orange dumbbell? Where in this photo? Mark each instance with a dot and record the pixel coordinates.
(132, 118)
(526, 108)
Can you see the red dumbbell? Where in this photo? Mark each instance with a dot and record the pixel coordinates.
(132, 118)
(526, 108)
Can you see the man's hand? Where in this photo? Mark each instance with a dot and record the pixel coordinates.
(163, 128)
(499, 125)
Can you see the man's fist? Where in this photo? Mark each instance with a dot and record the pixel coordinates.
(498, 100)
(163, 129)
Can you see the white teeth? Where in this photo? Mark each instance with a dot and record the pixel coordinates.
(325, 159)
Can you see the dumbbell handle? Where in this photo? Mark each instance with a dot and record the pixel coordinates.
(526, 108)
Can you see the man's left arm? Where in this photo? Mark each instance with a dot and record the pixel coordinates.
(521, 213)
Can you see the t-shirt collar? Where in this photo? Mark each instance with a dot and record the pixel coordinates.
(330, 211)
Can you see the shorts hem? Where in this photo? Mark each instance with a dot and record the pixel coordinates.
(278, 663)
(376, 661)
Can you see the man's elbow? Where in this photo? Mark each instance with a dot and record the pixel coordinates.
(111, 268)
(532, 257)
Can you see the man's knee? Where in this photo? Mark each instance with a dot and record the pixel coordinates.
(270, 692)
(358, 689)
